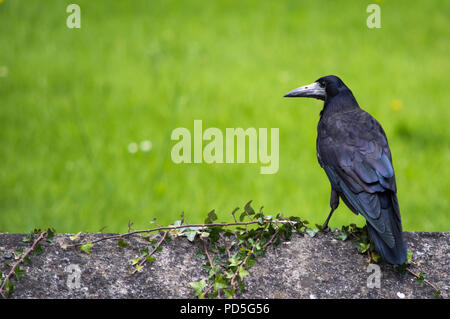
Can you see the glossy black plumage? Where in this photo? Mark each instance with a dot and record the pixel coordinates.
(353, 150)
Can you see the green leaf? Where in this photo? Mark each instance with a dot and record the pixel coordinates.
(122, 243)
(139, 268)
(19, 272)
(211, 295)
(213, 271)
(50, 234)
(18, 253)
(218, 261)
(363, 247)
(146, 238)
(200, 254)
(233, 261)
(248, 208)
(198, 287)
(134, 261)
(86, 247)
(28, 238)
(204, 234)
(437, 294)
(250, 262)
(26, 261)
(245, 249)
(233, 213)
(243, 272)
(9, 287)
(342, 236)
(260, 221)
(74, 237)
(311, 232)
(150, 259)
(220, 283)
(167, 240)
(421, 279)
(375, 257)
(229, 293)
(177, 222)
(214, 233)
(211, 217)
(409, 257)
(229, 275)
(241, 286)
(190, 235)
(37, 250)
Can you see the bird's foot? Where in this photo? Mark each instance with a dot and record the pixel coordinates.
(325, 228)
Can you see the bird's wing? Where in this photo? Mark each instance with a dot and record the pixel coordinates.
(357, 147)
(355, 155)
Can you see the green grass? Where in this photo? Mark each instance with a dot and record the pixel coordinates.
(72, 100)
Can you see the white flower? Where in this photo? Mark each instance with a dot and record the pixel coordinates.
(132, 147)
(146, 146)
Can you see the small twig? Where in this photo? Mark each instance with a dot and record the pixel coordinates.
(205, 248)
(233, 214)
(228, 247)
(354, 236)
(244, 262)
(19, 262)
(143, 260)
(248, 215)
(424, 280)
(271, 239)
(184, 226)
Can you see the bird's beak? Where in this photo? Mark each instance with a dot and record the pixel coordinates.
(312, 90)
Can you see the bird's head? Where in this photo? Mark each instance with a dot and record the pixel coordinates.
(323, 88)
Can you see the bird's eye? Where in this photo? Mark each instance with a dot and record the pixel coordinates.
(322, 84)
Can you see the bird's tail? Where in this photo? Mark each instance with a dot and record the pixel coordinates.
(395, 254)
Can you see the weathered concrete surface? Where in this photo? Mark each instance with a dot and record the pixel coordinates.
(305, 267)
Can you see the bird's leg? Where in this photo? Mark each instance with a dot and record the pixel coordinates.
(334, 203)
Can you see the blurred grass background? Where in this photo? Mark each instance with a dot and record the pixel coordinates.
(73, 100)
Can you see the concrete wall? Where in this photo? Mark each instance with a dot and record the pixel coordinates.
(305, 267)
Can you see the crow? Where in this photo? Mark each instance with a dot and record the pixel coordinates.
(353, 150)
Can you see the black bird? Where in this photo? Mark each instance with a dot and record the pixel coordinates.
(353, 150)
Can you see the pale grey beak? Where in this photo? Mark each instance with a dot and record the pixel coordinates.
(312, 90)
